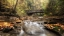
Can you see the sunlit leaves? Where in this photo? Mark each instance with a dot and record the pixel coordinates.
(8, 3)
(12, 2)
(51, 7)
(37, 4)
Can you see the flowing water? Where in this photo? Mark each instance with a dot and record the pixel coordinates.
(31, 28)
(36, 28)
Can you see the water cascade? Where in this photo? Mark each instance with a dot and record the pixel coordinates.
(32, 28)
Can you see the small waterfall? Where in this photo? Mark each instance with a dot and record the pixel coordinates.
(34, 28)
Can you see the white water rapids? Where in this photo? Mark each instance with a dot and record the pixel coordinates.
(32, 29)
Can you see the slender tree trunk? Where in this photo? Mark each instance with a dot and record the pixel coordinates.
(14, 9)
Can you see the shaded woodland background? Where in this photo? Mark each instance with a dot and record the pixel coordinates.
(49, 7)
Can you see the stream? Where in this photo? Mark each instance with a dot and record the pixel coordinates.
(31, 28)
(36, 28)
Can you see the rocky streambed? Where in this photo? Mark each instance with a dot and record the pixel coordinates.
(31, 28)
(36, 28)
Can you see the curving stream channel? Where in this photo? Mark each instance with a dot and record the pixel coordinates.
(36, 28)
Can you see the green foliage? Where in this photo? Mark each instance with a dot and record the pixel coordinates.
(55, 8)
(7, 3)
(61, 30)
(51, 7)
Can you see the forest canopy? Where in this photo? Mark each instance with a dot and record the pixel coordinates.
(50, 7)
